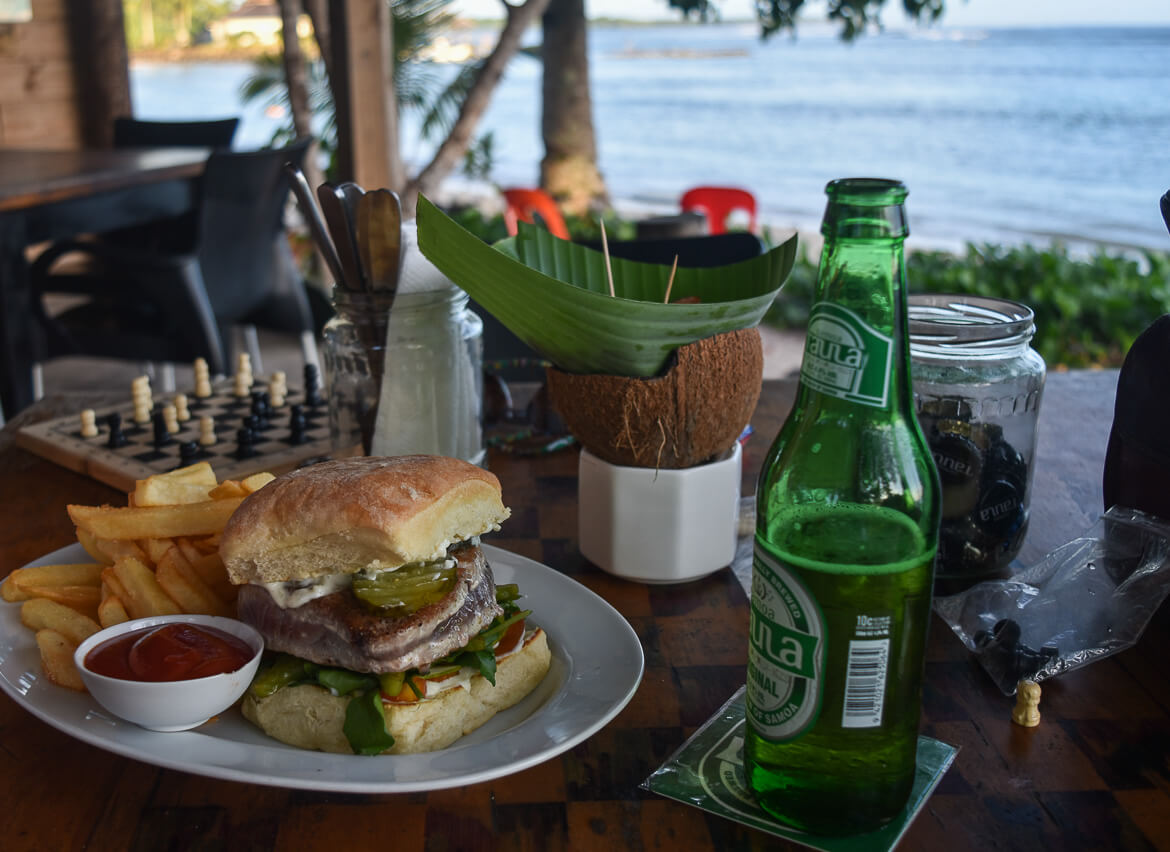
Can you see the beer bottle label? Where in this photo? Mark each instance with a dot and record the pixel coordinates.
(786, 651)
(845, 357)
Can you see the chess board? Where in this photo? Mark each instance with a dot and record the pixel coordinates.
(60, 440)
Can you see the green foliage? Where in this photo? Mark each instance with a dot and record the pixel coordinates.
(418, 84)
(1088, 311)
(854, 16)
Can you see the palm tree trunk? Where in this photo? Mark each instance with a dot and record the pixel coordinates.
(569, 169)
(453, 148)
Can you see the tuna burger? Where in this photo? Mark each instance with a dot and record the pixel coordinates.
(386, 630)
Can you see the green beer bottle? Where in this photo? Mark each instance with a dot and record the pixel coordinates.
(846, 532)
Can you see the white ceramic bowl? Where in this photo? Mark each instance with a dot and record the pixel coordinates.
(170, 705)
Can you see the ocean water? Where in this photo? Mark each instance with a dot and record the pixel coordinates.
(1001, 135)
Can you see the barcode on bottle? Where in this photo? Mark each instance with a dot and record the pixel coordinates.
(865, 683)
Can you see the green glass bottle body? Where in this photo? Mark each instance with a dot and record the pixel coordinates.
(846, 533)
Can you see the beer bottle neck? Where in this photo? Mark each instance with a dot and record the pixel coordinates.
(856, 349)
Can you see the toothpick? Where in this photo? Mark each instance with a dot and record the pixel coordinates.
(605, 250)
(670, 283)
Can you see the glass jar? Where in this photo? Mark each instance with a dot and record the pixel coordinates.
(353, 352)
(431, 397)
(977, 389)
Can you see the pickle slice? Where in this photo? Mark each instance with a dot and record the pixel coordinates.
(407, 589)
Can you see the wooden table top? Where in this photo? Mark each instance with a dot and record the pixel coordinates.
(32, 177)
(1094, 774)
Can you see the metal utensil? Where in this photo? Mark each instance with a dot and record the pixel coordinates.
(317, 227)
(333, 207)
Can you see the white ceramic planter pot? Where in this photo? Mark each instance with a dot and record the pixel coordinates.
(659, 526)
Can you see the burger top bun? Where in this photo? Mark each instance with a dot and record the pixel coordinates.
(339, 517)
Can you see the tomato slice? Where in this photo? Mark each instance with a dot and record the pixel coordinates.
(510, 638)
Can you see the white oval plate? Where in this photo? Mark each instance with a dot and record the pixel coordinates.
(596, 669)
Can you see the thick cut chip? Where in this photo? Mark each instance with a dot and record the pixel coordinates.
(44, 614)
(57, 660)
(111, 611)
(185, 485)
(190, 519)
(179, 581)
(227, 490)
(139, 590)
(17, 584)
(256, 481)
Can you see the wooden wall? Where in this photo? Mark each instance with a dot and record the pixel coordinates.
(38, 103)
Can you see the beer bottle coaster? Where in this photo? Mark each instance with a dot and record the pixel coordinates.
(707, 772)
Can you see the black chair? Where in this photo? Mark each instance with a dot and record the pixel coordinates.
(176, 233)
(136, 133)
(151, 305)
(508, 356)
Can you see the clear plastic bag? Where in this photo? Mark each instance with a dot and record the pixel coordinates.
(1085, 600)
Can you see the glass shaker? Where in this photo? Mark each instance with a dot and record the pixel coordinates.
(432, 384)
(353, 354)
(977, 390)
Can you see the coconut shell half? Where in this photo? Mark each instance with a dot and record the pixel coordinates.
(693, 412)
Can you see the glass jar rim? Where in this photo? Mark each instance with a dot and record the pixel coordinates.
(941, 320)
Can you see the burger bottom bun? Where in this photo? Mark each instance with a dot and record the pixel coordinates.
(311, 717)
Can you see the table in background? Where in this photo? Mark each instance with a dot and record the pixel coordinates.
(50, 195)
(1092, 775)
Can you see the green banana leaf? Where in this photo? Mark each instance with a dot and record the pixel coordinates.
(554, 295)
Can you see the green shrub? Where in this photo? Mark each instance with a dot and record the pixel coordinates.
(1088, 311)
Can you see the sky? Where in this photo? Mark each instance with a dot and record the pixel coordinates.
(971, 13)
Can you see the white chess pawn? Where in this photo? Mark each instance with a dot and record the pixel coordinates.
(276, 392)
(202, 379)
(170, 418)
(141, 394)
(182, 412)
(89, 424)
(206, 431)
(243, 385)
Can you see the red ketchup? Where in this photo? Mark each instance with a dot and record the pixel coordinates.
(174, 651)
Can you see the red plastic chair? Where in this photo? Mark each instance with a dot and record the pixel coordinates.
(717, 203)
(523, 204)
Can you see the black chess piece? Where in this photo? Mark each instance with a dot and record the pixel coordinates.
(117, 437)
(188, 453)
(261, 409)
(162, 435)
(245, 443)
(297, 424)
(312, 386)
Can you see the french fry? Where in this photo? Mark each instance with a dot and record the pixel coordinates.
(185, 485)
(206, 544)
(212, 572)
(44, 614)
(138, 588)
(83, 599)
(180, 582)
(113, 549)
(16, 586)
(57, 659)
(187, 519)
(229, 489)
(111, 611)
(256, 481)
(190, 551)
(93, 547)
(154, 548)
